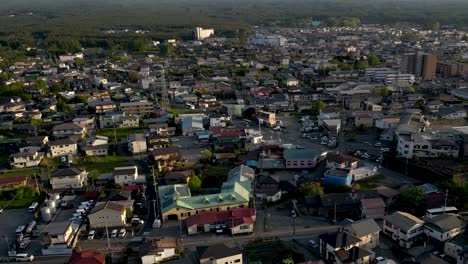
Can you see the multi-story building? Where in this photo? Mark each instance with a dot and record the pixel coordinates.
(137, 144)
(137, 108)
(69, 129)
(422, 65)
(404, 228)
(300, 158)
(449, 69)
(266, 118)
(63, 147)
(166, 159)
(202, 33)
(118, 119)
(342, 247)
(158, 250)
(107, 214)
(103, 106)
(69, 178)
(60, 234)
(367, 230)
(220, 254)
(426, 146)
(26, 157)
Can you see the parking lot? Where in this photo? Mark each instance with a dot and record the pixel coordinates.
(11, 219)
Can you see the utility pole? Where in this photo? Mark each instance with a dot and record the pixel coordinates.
(445, 202)
(294, 226)
(334, 213)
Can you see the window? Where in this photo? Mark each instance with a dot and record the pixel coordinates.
(237, 261)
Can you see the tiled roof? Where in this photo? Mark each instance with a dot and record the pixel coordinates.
(87, 257)
(13, 179)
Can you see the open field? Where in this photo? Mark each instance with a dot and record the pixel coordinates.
(25, 172)
(121, 133)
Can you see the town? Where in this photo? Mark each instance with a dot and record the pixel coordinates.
(317, 144)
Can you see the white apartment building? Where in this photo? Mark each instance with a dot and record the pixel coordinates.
(137, 144)
(426, 146)
(202, 33)
(403, 228)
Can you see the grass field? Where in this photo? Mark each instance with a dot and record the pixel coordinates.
(25, 172)
(121, 133)
(100, 165)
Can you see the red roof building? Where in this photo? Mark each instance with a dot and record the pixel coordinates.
(87, 257)
(12, 183)
(208, 221)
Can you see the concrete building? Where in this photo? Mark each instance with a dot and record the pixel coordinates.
(137, 108)
(266, 118)
(60, 234)
(158, 250)
(300, 158)
(422, 65)
(426, 146)
(69, 178)
(450, 69)
(202, 33)
(126, 175)
(137, 144)
(403, 228)
(456, 247)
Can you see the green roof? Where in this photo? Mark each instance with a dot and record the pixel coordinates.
(299, 154)
(232, 193)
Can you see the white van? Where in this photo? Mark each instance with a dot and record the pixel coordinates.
(24, 257)
(91, 234)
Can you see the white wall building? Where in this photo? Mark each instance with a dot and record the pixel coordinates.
(126, 175)
(202, 33)
(444, 227)
(403, 228)
(62, 147)
(69, 178)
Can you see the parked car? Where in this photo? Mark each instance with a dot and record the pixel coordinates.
(122, 233)
(174, 139)
(91, 234)
(1, 210)
(378, 144)
(114, 233)
(313, 243)
(25, 243)
(381, 260)
(24, 257)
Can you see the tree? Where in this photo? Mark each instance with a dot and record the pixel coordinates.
(361, 65)
(311, 189)
(207, 155)
(383, 91)
(133, 76)
(317, 106)
(288, 260)
(435, 26)
(139, 44)
(194, 183)
(166, 49)
(412, 197)
(411, 89)
(373, 60)
(42, 86)
(78, 62)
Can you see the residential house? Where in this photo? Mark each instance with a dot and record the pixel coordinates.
(364, 172)
(162, 129)
(110, 214)
(217, 121)
(191, 125)
(457, 248)
(341, 161)
(26, 157)
(137, 144)
(156, 141)
(158, 250)
(342, 247)
(331, 112)
(175, 177)
(220, 254)
(367, 230)
(364, 120)
(373, 208)
(267, 188)
(338, 177)
(12, 183)
(62, 147)
(126, 175)
(67, 178)
(166, 159)
(444, 227)
(97, 147)
(37, 141)
(371, 106)
(403, 228)
(342, 205)
(300, 158)
(387, 194)
(385, 123)
(87, 257)
(60, 234)
(237, 220)
(451, 113)
(67, 130)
